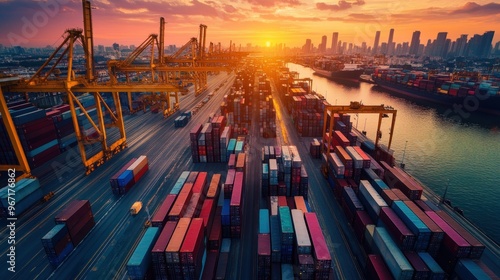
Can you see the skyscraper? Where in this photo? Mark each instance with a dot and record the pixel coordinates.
(461, 45)
(335, 39)
(485, 46)
(390, 48)
(375, 44)
(322, 47)
(439, 48)
(307, 46)
(415, 43)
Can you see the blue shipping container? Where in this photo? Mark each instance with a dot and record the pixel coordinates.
(264, 221)
(125, 178)
(397, 263)
(414, 224)
(138, 263)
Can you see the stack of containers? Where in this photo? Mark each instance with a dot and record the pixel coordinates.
(139, 167)
(294, 188)
(158, 251)
(287, 234)
(346, 160)
(121, 188)
(172, 255)
(229, 183)
(371, 199)
(209, 141)
(223, 259)
(235, 205)
(226, 218)
(304, 182)
(215, 237)
(437, 233)
(361, 221)
(79, 220)
(436, 272)
(263, 256)
(396, 178)
(419, 229)
(376, 268)
(350, 203)
(218, 124)
(139, 262)
(358, 162)
(401, 234)
(27, 193)
(275, 238)
(322, 259)
(231, 147)
(180, 205)
(453, 247)
(273, 177)
(192, 250)
(397, 263)
(224, 142)
(315, 148)
(420, 269)
(57, 244)
(179, 183)
(181, 121)
(265, 179)
(160, 217)
(193, 139)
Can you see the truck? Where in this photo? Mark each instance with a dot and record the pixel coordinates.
(136, 208)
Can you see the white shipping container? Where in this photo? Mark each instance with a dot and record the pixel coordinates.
(336, 163)
(301, 234)
(138, 164)
(356, 158)
(371, 196)
(273, 205)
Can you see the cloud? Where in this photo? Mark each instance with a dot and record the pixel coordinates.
(474, 9)
(272, 3)
(132, 11)
(342, 5)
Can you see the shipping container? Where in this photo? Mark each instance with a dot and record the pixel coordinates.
(210, 266)
(397, 263)
(181, 202)
(193, 208)
(191, 251)
(437, 233)
(214, 187)
(79, 219)
(207, 213)
(113, 181)
(140, 260)
(172, 256)
(228, 185)
(264, 221)
(421, 231)
(138, 165)
(200, 185)
(180, 183)
(300, 204)
(161, 215)
(320, 249)
(455, 243)
(376, 269)
(402, 235)
(215, 237)
(57, 244)
(158, 251)
(303, 243)
(220, 273)
(361, 220)
(469, 270)
(275, 238)
(373, 201)
(436, 272)
(421, 271)
(477, 248)
(263, 256)
(350, 203)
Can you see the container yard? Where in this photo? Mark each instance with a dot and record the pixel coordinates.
(237, 191)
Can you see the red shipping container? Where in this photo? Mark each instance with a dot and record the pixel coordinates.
(361, 220)
(282, 201)
(457, 245)
(160, 217)
(207, 214)
(215, 237)
(376, 268)
(200, 183)
(158, 251)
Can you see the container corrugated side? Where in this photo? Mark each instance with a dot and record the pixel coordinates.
(469, 270)
(452, 240)
(320, 249)
(373, 199)
(397, 263)
(158, 251)
(300, 204)
(161, 216)
(179, 183)
(402, 235)
(201, 183)
(214, 187)
(421, 271)
(138, 263)
(436, 272)
(416, 225)
(376, 268)
(302, 239)
(264, 221)
(172, 256)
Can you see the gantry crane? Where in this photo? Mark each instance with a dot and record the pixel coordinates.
(358, 108)
(70, 86)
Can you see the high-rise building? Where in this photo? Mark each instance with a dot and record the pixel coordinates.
(485, 46)
(363, 47)
(116, 47)
(461, 45)
(307, 47)
(322, 46)
(383, 48)
(415, 43)
(335, 39)
(439, 48)
(406, 48)
(390, 48)
(375, 44)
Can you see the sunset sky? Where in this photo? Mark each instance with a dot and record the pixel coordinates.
(42, 22)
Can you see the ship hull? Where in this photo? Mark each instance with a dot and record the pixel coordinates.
(346, 76)
(469, 104)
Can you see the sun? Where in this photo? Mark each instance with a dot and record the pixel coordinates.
(268, 44)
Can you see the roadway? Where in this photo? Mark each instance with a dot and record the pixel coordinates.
(106, 249)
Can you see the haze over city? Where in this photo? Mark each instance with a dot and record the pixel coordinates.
(30, 23)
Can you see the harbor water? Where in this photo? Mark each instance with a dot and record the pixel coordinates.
(444, 147)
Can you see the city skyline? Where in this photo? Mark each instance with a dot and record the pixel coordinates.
(30, 23)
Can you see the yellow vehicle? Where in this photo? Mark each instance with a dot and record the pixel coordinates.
(136, 207)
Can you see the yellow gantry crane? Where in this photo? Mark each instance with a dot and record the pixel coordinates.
(70, 86)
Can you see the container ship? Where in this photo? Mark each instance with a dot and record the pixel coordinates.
(467, 89)
(337, 71)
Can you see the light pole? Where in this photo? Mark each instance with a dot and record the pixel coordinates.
(402, 164)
